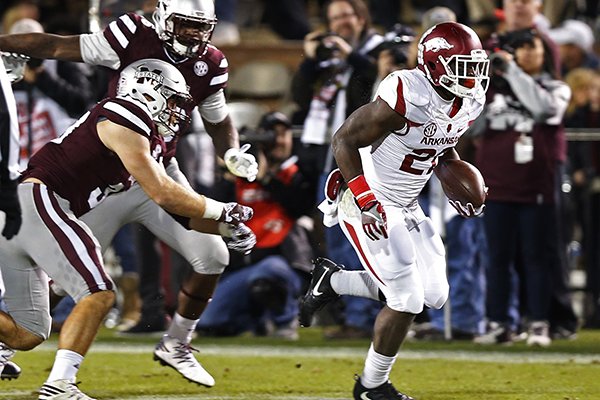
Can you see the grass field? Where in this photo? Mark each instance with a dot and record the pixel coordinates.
(312, 368)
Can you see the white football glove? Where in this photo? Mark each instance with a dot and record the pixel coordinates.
(15, 65)
(240, 163)
(238, 237)
(467, 210)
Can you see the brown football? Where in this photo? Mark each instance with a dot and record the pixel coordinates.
(462, 181)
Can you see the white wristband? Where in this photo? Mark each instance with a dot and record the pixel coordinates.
(213, 209)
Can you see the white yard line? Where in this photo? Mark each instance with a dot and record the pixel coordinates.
(347, 352)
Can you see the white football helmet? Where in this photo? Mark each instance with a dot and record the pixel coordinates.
(161, 89)
(185, 25)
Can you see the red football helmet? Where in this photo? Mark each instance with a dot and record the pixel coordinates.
(451, 56)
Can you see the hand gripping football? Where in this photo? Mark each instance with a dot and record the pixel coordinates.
(462, 182)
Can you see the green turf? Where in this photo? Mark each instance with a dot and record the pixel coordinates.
(296, 373)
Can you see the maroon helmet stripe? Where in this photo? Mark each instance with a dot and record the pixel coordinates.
(400, 104)
(62, 239)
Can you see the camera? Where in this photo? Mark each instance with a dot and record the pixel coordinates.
(397, 41)
(511, 41)
(259, 137)
(34, 62)
(326, 51)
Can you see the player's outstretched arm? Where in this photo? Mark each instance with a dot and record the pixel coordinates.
(134, 151)
(43, 45)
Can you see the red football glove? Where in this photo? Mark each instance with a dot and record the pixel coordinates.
(372, 215)
(374, 221)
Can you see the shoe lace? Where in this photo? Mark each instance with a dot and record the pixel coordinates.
(183, 354)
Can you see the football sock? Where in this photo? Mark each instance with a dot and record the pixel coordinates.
(66, 365)
(182, 328)
(354, 283)
(377, 369)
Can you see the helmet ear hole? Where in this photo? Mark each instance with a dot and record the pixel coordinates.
(431, 65)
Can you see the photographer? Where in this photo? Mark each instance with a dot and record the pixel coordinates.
(521, 152)
(259, 291)
(335, 78)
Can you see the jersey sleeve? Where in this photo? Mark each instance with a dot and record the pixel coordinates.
(403, 94)
(95, 50)
(127, 114)
(220, 77)
(120, 33)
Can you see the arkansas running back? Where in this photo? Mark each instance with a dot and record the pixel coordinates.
(397, 168)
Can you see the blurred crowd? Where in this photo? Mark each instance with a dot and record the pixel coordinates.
(510, 271)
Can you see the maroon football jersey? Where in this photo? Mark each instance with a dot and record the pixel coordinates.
(80, 168)
(133, 38)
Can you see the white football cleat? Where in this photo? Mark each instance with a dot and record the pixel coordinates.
(62, 389)
(8, 369)
(178, 355)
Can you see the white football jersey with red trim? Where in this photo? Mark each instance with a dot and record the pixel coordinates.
(399, 166)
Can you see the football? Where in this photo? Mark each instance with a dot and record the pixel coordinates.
(462, 181)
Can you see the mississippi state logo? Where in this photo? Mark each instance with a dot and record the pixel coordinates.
(201, 68)
(436, 44)
(430, 130)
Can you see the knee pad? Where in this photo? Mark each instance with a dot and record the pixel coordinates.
(409, 302)
(213, 259)
(437, 299)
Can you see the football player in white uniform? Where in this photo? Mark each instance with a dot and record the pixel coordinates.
(417, 116)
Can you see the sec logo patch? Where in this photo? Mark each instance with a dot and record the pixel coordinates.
(201, 68)
(429, 130)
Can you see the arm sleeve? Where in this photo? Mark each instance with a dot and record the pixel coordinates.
(214, 108)
(9, 130)
(547, 103)
(96, 50)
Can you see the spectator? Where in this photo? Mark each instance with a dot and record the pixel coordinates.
(579, 81)
(335, 78)
(519, 17)
(261, 290)
(576, 45)
(521, 153)
(585, 172)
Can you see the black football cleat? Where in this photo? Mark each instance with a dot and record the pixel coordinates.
(10, 371)
(387, 391)
(319, 291)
